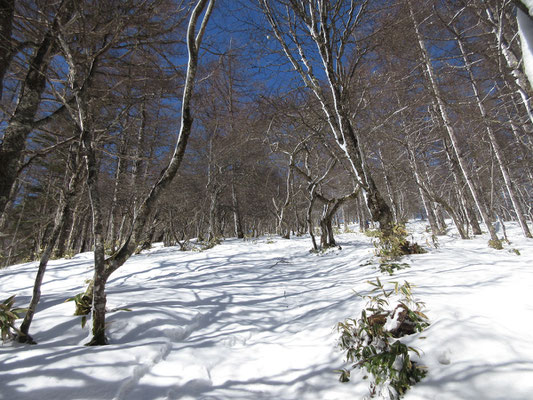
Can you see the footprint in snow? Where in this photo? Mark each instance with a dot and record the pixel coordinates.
(444, 357)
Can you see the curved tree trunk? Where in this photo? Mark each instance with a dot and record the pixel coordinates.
(105, 267)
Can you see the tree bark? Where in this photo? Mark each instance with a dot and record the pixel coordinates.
(7, 11)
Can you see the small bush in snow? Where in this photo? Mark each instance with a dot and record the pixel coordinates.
(372, 233)
(83, 304)
(390, 267)
(496, 244)
(393, 246)
(8, 315)
(372, 341)
(515, 251)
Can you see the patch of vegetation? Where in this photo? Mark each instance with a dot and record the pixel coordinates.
(83, 304)
(496, 244)
(206, 245)
(8, 316)
(392, 246)
(390, 267)
(325, 249)
(372, 343)
(372, 233)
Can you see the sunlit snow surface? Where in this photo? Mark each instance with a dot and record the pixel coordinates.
(256, 320)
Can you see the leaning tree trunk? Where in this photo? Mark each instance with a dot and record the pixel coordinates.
(21, 122)
(451, 133)
(511, 60)
(65, 200)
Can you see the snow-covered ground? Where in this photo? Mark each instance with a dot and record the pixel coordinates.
(256, 320)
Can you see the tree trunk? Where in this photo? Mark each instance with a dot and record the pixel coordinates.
(60, 221)
(112, 224)
(309, 216)
(425, 201)
(7, 11)
(494, 143)
(324, 236)
(21, 122)
(236, 213)
(105, 267)
(511, 59)
(388, 186)
(213, 231)
(451, 133)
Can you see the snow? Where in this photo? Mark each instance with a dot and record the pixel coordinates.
(256, 320)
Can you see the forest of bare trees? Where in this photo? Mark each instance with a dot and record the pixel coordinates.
(128, 122)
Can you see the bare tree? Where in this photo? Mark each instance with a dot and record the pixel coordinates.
(105, 267)
(331, 27)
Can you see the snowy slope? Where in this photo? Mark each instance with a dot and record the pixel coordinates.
(256, 320)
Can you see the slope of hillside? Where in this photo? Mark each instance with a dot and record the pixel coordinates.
(256, 320)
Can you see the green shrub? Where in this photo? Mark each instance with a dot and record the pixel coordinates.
(83, 304)
(496, 244)
(212, 243)
(394, 245)
(8, 315)
(390, 267)
(372, 343)
(372, 233)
